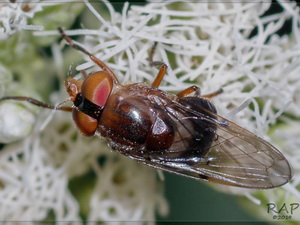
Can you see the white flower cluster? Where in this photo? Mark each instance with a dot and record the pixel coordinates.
(226, 45)
(14, 16)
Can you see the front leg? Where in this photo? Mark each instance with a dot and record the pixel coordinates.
(98, 62)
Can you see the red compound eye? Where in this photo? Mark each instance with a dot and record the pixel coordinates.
(96, 88)
(86, 124)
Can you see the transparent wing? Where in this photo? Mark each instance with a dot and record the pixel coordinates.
(236, 156)
(239, 158)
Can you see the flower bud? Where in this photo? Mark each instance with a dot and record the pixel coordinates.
(16, 122)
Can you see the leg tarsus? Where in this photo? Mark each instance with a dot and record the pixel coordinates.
(151, 54)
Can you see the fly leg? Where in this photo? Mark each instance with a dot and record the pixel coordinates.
(163, 67)
(213, 94)
(101, 64)
(196, 89)
(37, 103)
(160, 76)
(188, 91)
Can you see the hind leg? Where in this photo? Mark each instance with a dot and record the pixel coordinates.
(188, 91)
(196, 89)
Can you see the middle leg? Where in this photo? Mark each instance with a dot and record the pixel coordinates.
(163, 67)
(160, 76)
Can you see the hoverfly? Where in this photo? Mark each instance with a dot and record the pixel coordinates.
(178, 133)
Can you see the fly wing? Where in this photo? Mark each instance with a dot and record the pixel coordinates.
(239, 158)
(236, 157)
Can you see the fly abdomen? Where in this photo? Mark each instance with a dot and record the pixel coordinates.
(201, 129)
(199, 104)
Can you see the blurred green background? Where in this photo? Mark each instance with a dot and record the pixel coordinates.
(194, 201)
